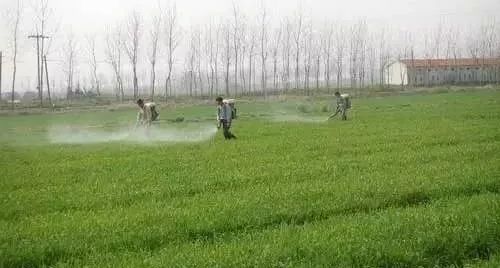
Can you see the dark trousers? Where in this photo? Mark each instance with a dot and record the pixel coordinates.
(344, 114)
(226, 126)
(342, 110)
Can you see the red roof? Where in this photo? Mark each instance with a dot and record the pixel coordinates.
(435, 63)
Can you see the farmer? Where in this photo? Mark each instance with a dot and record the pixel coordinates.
(343, 104)
(224, 117)
(147, 113)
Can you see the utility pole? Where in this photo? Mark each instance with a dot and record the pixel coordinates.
(39, 62)
(47, 78)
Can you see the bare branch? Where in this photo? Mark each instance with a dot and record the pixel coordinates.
(113, 57)
(154, 36)
(264, 48)
(173, 39)
(131, 45)
(92, 58)
(70, 54)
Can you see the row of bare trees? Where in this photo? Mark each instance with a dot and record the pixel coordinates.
(238, 55)
(258, 57)
(164, 34)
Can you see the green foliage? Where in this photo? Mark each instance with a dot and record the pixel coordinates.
(409, 181)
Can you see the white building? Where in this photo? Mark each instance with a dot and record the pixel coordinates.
(433, 72)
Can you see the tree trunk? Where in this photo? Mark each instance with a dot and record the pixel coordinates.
(153, 80)
(14, 72)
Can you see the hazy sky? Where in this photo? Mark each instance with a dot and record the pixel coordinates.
(91, 16)
(88, 14)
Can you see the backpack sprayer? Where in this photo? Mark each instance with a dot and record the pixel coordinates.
(231, 103)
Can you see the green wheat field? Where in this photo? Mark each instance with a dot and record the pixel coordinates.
(407, 181)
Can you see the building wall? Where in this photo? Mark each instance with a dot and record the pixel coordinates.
(396, 74)
(442, 76)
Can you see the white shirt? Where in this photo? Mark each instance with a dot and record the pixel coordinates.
(224, 112)
(145, 115)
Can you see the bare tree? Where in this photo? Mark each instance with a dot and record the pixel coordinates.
(403, 53)
(275, 52)
(308, 55)
(450, 42)
(154, 36)
(264, 49)
(91, 51)
(211, 50)
(488, 43)
(15, 24)
(451, 50)
(227, 55)
(354, 50)
(340, 50)
(286, 48)
(236, 43)
(69, 55)
(327, 46)
(456, 49)
(298, 40)
(190, 69)
(489, 39)
(192, 61)
(209, 47)
(251, 53)
(243, 52)
(184, 78)
(173, 38)
(384, 57)
(317, 49)
(427, 51)
(473, 47)
(218, 35)
(482, 48)
(114, 56)
(437, 40)
(362, 35)
(372, 61)
(131, 45)
(199, 56)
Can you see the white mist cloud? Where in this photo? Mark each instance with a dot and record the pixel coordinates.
(80, 135)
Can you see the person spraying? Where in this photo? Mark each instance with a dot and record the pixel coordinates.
(225, 117)
(147, 113)
(343, 104)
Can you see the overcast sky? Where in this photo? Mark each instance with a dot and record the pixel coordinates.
(92, 16)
